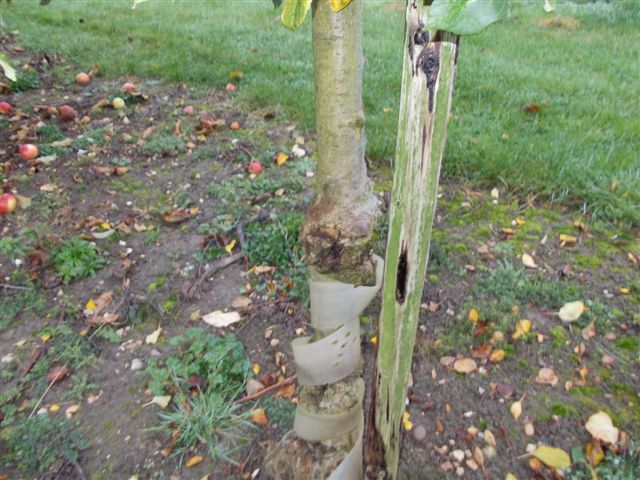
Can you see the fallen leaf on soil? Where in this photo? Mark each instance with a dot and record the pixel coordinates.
(510, 476)
(259, 417)
(281, 158)
(234, 126)
(286, 391)
(522, 327)
(241, 302)
(255, 367)
(601, 428)
(465, 365)
(497, 355)
(530, 107)
(528, 429)
(535, 464)
(528, 261)
(478, 456)
(607, 360)
(177, 215)
(594, 453)
(489, 437)
(481, 351)
(552, 457)
(516, 409)
(229, 247)
(589, 331)
(54, 408)
(71, 410)
(193, 461)
(406, 421)
(567, 240)
(221, 319)
(57, 374)
(447, 361)
(570, 312)
(473, 315)
(546, 376)
(48, 187)
(258, 269)
(152, 338)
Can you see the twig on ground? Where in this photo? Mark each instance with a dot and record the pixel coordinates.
(275, 386)
(13, 287)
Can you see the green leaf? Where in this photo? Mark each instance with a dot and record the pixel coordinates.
(9, 71)
(465, 17)
(294, 12)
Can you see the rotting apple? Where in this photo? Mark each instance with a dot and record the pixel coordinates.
(129, 87)
(66, 113)
(83, 79)
(28, 151)
(118, 103)
(230, 87)
(255, 167)
(5, 107)
(8, 203)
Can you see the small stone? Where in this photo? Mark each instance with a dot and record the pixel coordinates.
(254, 386)
(274, 342)
(155, 353)
(468, 414)
(458, 455)
(482, 371)
(531, 447)
(136, 364)
(419, 433)
(460, 471)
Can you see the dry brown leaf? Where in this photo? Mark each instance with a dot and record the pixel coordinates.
(259, 417)
(601, 428)
(589, 331)
(465, 365)
(57, 374)
(546, 376)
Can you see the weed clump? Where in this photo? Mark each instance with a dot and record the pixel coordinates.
(77, 258)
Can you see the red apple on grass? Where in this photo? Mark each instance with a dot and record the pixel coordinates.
(255, 167)
(28, 151)
(188, 110)
(66, 113)
(8, 203)
(230, 87)
(83, 79)
(5, 107)
(129, 88)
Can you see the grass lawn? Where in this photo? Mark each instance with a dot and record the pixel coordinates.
(577, 64)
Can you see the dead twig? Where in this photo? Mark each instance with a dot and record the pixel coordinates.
(275, 386)
(13, 287)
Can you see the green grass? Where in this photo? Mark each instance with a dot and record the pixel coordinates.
(583, 139)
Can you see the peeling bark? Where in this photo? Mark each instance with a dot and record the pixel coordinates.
(427, 89)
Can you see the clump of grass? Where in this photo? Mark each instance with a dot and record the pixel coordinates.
(24, 81)
(278, 243)
(204, 375)
(36, 443)
(513, 286)
(49, 132)
(624, 466)
(165, 145)
(77, 258)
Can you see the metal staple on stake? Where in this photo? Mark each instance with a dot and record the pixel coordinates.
(334, 357)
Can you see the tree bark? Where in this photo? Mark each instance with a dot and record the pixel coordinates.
(337, 235)
(427, 88)
(339, 224)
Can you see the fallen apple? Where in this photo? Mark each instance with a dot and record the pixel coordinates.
(83, 79)
(255, 167)
(8, 203)
(129, 87)
(188, 110)
(66, 113)
(5, 107)
(118, 103)
(28, 151)
(230, 87)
